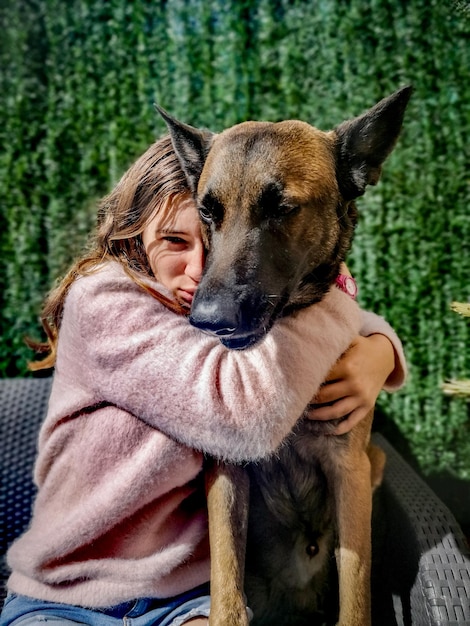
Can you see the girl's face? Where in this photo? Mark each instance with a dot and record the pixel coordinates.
(175, 250)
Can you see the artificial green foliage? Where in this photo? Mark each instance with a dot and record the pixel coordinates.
(453, 387)
(77, 85)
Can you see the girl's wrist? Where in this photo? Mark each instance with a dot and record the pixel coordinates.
(386, 355)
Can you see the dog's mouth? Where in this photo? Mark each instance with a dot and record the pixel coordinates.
(242, 342)
(233, 338)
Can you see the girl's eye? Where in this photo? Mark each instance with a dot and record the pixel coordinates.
(173, 239)
(175, 243)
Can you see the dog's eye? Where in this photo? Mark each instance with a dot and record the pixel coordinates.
(286, 209)
(205, 214)
(210, 209)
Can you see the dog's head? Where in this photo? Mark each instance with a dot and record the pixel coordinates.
(276, 202)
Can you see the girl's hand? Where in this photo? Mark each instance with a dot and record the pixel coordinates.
(353, 384)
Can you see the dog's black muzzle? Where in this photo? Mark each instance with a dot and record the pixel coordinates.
(239, 322)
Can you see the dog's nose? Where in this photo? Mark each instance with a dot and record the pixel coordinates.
(215, 318)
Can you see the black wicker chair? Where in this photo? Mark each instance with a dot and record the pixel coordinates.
(23, 405)
(421, 566)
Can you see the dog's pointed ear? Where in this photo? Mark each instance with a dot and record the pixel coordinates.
(364, 143)
(190, 144)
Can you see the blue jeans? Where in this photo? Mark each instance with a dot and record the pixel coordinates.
(23, 611)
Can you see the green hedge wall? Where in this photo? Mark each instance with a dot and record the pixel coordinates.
(77, 87)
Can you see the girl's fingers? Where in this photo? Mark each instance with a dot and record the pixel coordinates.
(339, 409)
(352, 420)
(331, 392)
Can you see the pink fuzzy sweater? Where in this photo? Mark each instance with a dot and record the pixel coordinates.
(138, 396)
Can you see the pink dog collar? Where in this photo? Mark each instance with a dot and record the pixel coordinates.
(347, 284)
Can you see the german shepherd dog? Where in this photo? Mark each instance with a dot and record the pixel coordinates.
(276, 202)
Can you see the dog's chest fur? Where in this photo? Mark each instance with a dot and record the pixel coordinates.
(290, 570)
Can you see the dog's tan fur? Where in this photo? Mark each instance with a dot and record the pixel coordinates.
(227, 489)
(304, 182)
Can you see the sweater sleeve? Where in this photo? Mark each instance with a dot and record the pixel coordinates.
(375, 324)
(134, 353)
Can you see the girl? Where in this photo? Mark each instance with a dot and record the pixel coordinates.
(119, 527)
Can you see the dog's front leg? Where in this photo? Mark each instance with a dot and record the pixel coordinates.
(353, 557)
(353, 501)
(227, 488)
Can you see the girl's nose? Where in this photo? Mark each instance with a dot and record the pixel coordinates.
(196, 262)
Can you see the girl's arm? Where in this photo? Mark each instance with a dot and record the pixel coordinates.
(132, 352)
(374, 361)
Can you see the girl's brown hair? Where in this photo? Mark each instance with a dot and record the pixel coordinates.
(151, 184)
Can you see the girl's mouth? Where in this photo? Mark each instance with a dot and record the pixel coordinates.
(186, 296)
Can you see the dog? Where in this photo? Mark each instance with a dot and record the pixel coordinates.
(277, 205)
